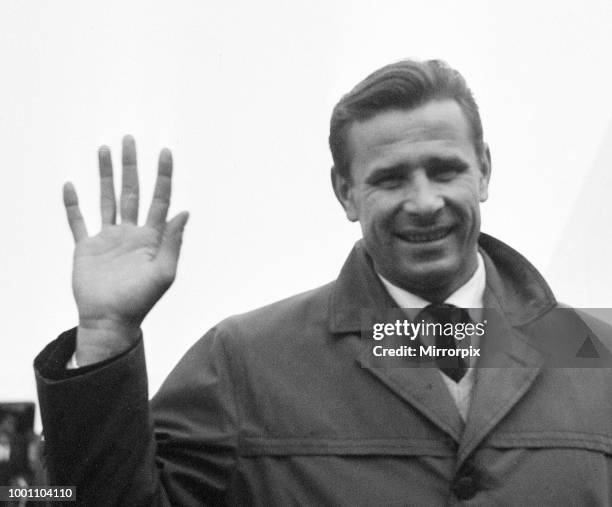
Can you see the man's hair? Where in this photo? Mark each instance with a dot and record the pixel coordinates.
(406, 84)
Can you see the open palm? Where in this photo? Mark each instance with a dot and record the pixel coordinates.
(120, 273)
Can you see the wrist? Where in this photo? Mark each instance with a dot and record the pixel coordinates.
(101, 339)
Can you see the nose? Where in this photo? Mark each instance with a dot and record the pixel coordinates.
(422, 196)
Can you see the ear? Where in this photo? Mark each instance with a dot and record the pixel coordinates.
(344, 190)
(485, 173)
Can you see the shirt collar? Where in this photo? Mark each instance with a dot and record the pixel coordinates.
(469, 296)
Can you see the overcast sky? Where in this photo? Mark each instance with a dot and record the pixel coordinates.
(242, 93)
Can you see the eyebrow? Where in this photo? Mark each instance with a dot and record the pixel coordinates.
(435, 162)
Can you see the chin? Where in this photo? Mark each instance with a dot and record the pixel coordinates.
(429, 276)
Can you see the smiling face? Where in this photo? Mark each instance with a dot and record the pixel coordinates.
(416, 187)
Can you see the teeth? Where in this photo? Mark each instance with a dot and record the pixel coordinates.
(424, 237)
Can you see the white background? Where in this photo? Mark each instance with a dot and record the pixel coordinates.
(242, 92)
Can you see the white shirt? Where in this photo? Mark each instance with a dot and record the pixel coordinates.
(468, 296)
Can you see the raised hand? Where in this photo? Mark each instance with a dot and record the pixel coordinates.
(120, 273)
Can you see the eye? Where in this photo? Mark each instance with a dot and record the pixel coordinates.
(386, 179)
(445, 173)
(446, 170)
(389, 182)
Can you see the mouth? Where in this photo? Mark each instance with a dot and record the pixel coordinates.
(425, 235)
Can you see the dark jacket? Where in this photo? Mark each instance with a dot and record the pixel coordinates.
(279, 407)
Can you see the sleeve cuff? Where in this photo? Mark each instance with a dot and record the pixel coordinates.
(52, 362)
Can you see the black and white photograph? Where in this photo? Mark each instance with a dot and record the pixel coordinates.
(306, 253)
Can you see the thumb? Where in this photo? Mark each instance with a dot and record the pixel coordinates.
(170, 247)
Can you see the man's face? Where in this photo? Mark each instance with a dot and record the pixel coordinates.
(416, 189)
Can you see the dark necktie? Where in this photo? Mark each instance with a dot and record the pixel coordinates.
(454, 367)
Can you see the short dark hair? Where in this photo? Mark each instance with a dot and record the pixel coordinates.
(406, 84)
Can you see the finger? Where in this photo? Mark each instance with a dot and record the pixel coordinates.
(108, 206)
(129, 186)
(161, 195)
(170, 247)
(75, 219)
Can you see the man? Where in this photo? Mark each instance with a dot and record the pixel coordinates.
(283, 405)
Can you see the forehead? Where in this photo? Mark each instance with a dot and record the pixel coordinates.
(437, 128)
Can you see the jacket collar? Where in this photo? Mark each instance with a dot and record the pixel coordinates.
(513, 284)
(357, 288)
(515, 291)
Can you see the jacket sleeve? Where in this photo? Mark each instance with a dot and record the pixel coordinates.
(104, 437)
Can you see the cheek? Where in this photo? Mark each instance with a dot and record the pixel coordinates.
(378, 213)
(465, 200)
(469, 217)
